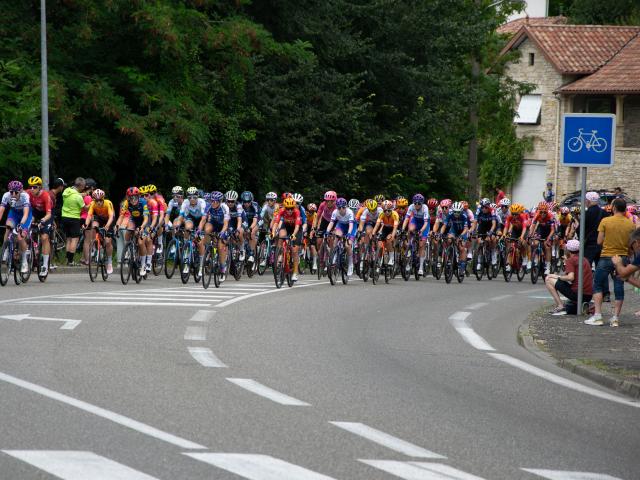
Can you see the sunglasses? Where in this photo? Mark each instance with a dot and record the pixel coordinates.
(270, 200)
(417, 204)
(35, 187)
(15, 192)
(289, 209)
(192, 197)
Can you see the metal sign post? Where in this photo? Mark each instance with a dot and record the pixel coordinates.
(588, 140)
(44, 94)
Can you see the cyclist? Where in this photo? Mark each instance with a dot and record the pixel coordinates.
(323, 217)
(354, 205)
(516, 227)
(387, 226)
(218, 222)
(42, 211)
(192, 214)
(543, 226)
(418, 219)
(137, 214)
(267, 216)
(502, 213)
(401, 205)
(442, 213)
(235, 223)
(288, 223)
(152, 205)
(367, 217)
(565, 221)
(101, 215)
(312, 210)
(252, 214)
(162, 210)
(459, 224)
(19, 216)
(485, 224)
(344, 221)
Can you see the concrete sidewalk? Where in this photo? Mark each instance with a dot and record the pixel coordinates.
(607, 355)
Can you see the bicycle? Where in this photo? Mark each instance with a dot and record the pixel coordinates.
(283, 263)
(264, 255)
(190, 259)
(381, 264)
(10, 260)
(436, 260)
(236, 257)
(482, 258)
(98, 256)
(35, 252)
(173, 252)
(338, 261)
(323, 260)
(588, 141)
(513, 261)
(130, 261)
(451, 261)
(157, 259)
(538, 260)
(211, 266)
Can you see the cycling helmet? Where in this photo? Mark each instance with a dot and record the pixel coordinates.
(493, 206)
(133, 192)
(97, 194)
(379, 198)
(552, 206)
(485, 202)
(216, 196)
(371, 205)
(341, 203)
(576, 210)
(419, 198)
(289, 203)
(432, 202)
(312, 207)
(144, 189)
(631, 209)
(516, 209)
(298, 198)
(457, 207)
(246, 197)
(206, 196)
(192, 191)
(330, 195)
(505, 202)
(90, 183)
(34, 181)
(543, 207)
(231, 196)
(152, 188)
(285, 195)
(446, 202)
(354, 203)
(271, 196)
(402, 203)
(15, 186)
(387, 205)
(564, 210)
(177, 190)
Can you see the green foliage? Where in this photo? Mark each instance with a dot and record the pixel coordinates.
(598, 12)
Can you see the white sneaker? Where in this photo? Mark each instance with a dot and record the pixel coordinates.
(614, 321)
(223, 277)
(529, 265)
(595, 319)
(24, 268)
(148, 267)
(109, 269)
(185, 269)
(507, 268)
(264, 263)
(294, 277)
(143, 271)
(44, 271)
(350, 270)
(315, 263)
(251, 259)
(547, 270)
(200, 272)
(242, 256)
(479, 266)
(391, 261)
(421, 272)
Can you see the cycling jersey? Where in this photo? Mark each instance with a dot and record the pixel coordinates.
(348, 216)
(311, 217)
(193, 211)
(485, 220)
(325, 212)
(517, 221)
(268, 212)
(104, 211)
(457, 223)
(152, 205)
(251, 212)
(470, 215)
(217, 216)
(501, 215)
(419, 215)
(173, 209)
(162, 204)
(303, 215)
(389, 220)
(565, 220)
(235, 212)
(40, 203)
(138, 210)
(402, 213)
(16, 203)
(370, 217)
(288, 218)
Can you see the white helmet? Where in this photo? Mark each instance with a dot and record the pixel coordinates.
(192, 191)
(271, 196)
(505, 202)
(298, 198)
(177, 190)
(354, 203)
(457, 207)
(231, 196)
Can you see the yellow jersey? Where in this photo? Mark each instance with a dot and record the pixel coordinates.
(104, 210)
(389, 220)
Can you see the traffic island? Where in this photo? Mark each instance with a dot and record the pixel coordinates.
(607, 355)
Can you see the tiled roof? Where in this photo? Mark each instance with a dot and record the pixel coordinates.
(576, 49)
(619, 76)
(513, 26)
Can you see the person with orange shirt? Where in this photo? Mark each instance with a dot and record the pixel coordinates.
(387, 224)
(101, 214)
(544, 225)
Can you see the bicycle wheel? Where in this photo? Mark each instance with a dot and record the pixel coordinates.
(322, 260)
(5, 264)
(388, 269)
(172, 258)
(332, 265)
(238, 264)
(374, 268)
(521, 271)
(508, 272)
(215, 269)
(94, 257)
(24, 276)
(405, 263)
(478, 257)
(197, 273)
(535, 271)
(289, 266)
(125, 265)
(437, 264)
(103, 264)
(278, 268)
(460, 273)
(447, 264)
(135, 266)
(157, 262)
(185, 262)
(344, 267)
(262, 256)
(207, 269)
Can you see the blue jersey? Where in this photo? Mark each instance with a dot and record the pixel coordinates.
(303, 214)
(251, 212)
(457, 223)
(217, 216)
(485, 219)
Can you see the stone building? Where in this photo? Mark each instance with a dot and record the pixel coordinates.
(580, 69)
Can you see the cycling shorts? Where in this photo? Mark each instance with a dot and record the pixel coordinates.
(347, 229)
(386, 231)
(15, 216)
(190, 218)
(46, 226)
(289, 229)
(215, 226)
(483, 228)
(322, 227)
(419, 223)
(101, 221)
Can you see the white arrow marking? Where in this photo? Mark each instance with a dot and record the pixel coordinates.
(69, 324)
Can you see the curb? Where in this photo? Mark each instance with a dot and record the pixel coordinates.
(608, 380)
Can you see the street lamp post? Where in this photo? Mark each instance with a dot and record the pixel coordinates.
(44, 87)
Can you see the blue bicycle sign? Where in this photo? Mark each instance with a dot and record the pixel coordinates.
(588, 139)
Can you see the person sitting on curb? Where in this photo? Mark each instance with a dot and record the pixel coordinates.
(567, 284)
(626, 272)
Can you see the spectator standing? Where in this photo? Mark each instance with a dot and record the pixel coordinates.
(567, 284)
(499, 195)
(549, 195)
(613, 234)
(627, 272)
(592, 217)
(57, 186)
(618, 192)
(72, 204)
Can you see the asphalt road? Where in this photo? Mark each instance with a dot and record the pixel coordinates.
(413, 380)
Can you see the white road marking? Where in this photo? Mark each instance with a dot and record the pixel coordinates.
(205, 357)
(195, 332)
(169, 296)
(77, 465)
(101, 412)
(476, 306)
(543, 297)
(142, 298)
(381, 438)
(532, 290)
(558, 380)
(91, 302)
(202, 316)
(258, 467)
(267, 392)
(458, 320)
(500, 297)
(275, 290)
(420, 470)
(563, 475)
(68, 324)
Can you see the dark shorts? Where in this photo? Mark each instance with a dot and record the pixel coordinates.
(71, 227)
(101, 221)
(564, 288)
(290, 229)
(322, 226)
(137, 221)
(47, 226)
(386, 231)
(483, 228)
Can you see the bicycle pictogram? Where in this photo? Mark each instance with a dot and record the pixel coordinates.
(589, 141)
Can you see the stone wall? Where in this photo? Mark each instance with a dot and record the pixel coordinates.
(631, 136)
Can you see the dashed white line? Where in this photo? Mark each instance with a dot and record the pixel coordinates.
(97, 302)
(202, 316)
(266, 392)
(101, 412)
(205, 357)
(564, 475)
(77, 465)
(381, 438)
(558, 380)
(255, 294)
(500, 297)
(459, 317)
(420, 470)
(476, 306)
(195, 332)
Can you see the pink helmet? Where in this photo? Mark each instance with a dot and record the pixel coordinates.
(631, 209)
(446, 202)
(331, 195)
(15, 186)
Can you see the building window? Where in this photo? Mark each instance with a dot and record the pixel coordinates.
(529, 110)
(585, 104)
(532, 59)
